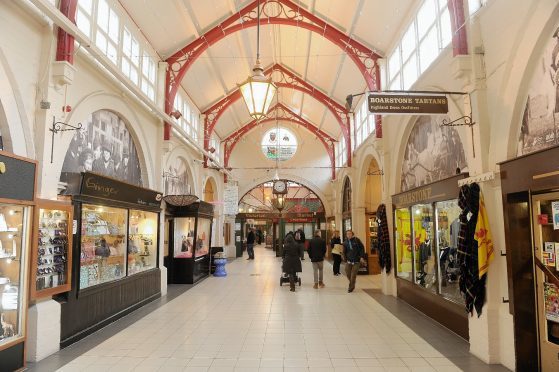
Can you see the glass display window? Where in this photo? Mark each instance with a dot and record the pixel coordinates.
(142, 241)
(51, 255)
(403, 243)
(103, 245)
(13, 230)
(423, 247)
(448, 226)
(202, 247)
(184, 237)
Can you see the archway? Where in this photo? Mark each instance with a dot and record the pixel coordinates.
(210, 190)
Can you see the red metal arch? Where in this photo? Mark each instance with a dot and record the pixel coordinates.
(280, 12)
(286, 79)
(283, 113)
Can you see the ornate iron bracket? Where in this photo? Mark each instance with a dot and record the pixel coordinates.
(461, 121)
(60, 126)
(379, 172)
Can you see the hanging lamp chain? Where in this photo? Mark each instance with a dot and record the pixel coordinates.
(258, 34)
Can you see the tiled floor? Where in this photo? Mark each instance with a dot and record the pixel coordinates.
(247, 322)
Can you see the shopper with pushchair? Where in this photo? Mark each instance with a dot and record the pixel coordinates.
(292, 252)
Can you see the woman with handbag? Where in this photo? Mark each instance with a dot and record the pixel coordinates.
(337, 249)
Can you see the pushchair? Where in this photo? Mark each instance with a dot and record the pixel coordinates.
(284, 278)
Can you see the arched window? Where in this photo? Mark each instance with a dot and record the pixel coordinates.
(105, 146)
(279, 144)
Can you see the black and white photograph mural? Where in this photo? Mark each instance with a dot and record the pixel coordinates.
(104, 146)
(540, 121)
(432, 153)
(176, 178)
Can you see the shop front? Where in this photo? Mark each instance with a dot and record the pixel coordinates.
(426, 229)
(530, 187)
(189, 235)
(17, 200)
(115, 242)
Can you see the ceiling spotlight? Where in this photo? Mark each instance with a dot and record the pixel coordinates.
(348, 102)
(211, 150)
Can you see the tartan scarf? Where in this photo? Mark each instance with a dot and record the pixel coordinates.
(383, 240)
(471, 285)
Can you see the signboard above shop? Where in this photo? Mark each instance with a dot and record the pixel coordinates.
(406, 103)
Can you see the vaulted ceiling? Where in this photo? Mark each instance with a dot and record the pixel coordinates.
(170, 25)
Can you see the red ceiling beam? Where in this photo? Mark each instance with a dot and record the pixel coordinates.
(458, 26)
(283, 78)
(279, 12)
(282, 113)
(65, 43)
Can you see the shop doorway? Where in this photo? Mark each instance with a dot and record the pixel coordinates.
(545, 223)
(346, 207)
(373, 196)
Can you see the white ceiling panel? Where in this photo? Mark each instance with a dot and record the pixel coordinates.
(379, 22)
(338, 13)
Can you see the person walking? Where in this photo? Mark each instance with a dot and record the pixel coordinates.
(300, 238)
(354, 255)
(250, 243)
(292, 252)
(337, 249)
(317, 251)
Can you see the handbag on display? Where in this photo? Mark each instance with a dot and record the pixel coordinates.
(102, 248)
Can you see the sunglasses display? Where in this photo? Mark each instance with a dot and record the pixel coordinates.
(52, 249)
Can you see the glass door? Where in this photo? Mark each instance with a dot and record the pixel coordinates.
(546, 250)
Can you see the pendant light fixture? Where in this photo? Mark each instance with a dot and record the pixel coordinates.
(258, 91)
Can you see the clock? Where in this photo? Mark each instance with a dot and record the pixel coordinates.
(280, 187)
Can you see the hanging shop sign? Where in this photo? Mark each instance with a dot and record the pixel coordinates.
(407, 104)
(230, 200)
(109, 188)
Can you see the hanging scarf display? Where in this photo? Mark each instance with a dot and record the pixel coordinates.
(383, 239)
(475, 247)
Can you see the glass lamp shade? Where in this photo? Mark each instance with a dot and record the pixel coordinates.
(258, 92)
(278, 202)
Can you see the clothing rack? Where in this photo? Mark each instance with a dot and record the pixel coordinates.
(484, 177)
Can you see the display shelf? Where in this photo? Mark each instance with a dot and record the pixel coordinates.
(53, 221)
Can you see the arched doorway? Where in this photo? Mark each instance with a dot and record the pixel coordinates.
(303, 210)
(209, 190)
(373, 197)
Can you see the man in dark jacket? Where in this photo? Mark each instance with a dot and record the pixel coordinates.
(292, 252)
(317, 251)
(354, 254)
(250, 243)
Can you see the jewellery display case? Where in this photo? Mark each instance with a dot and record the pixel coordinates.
(51, 255)
(117, 243)
(190, 229)
(17, 199)
(425, 243)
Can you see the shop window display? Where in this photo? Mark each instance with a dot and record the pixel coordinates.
(103, 245)
(12, 272)
(142, 241)
(203, 237)
(184, 237)
(425, 259)
(448, 226)
(403, 243)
